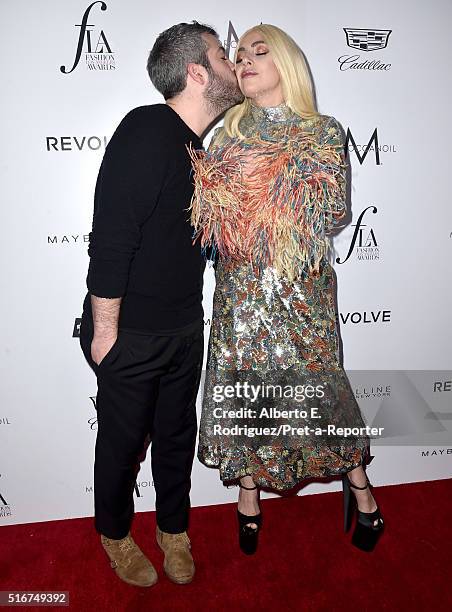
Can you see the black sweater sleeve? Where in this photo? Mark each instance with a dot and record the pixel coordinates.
(129, 181)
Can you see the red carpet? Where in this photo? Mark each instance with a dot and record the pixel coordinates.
(304, 561)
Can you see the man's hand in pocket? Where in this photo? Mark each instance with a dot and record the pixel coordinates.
(100, 347)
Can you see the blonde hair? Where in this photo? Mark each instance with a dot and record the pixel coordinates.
(295, 78)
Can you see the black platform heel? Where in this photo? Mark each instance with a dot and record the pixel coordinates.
(248, 535)
(367, 533)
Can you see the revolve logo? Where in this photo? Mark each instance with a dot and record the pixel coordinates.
(75, 143)
(364, 40)
(98, 57)
(371, 316)
(442, 386)
(363, 241)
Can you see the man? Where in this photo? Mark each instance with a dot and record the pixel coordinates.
(142, 324)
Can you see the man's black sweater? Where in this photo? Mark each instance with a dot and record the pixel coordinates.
(141, 241)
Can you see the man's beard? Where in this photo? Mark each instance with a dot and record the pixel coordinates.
(221, 94)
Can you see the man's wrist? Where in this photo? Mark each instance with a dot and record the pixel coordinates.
(105, 335)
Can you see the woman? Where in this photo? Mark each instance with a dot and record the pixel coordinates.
(270, 186)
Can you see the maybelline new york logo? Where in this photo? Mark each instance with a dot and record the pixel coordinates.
(98, 52)
(363, 243)
(367, 41)
(56, 239)
(372, 391)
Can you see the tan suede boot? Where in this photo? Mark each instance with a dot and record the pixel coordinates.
(178, 564)
(129, 562)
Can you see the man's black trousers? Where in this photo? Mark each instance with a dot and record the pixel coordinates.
(146, 384)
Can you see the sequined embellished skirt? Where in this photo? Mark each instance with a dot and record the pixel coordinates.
(271, 342)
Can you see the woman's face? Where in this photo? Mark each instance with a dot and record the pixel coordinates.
(256, 72)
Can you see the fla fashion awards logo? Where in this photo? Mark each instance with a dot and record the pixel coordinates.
(363, 244)
(366, 41)
(92, 44)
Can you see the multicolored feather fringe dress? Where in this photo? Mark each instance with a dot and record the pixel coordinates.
(263, 206)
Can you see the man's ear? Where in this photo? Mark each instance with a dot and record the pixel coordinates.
(198, 73)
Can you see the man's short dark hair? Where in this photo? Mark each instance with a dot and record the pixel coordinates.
(173, 50)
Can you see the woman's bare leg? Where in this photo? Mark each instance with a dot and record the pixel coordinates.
(248, 500)
(364, 498)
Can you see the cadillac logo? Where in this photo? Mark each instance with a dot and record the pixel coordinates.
(367, 40)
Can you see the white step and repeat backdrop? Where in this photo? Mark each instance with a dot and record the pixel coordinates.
(70, 71)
